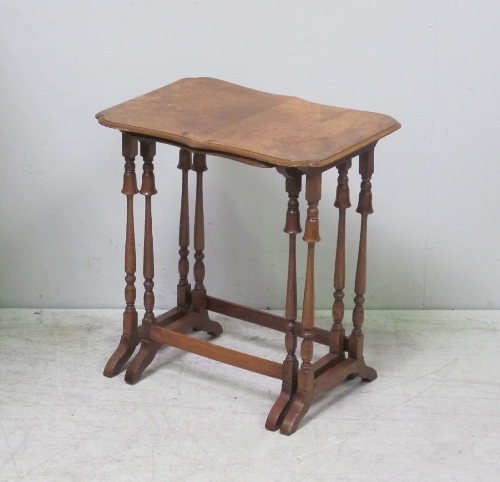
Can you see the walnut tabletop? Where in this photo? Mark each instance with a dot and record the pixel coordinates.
(241, 123)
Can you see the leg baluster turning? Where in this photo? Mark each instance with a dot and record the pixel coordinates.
(199, 294)
(366, 166)
(342, 202)
(148, 348)
(290, 364)
(183, 287)
(304, 395)
(130, 337)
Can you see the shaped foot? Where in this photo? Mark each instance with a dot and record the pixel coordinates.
(141, 361)
(204, 323)
(299, 408)
(367, 374)
(125, 350)
(280, 408)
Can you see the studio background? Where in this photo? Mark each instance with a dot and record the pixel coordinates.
(433, 65)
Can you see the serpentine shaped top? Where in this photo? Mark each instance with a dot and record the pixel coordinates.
(227, 119)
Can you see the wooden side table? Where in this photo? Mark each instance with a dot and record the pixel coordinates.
(208, 116)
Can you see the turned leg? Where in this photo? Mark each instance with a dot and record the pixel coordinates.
(130, 336)
(199, 294)
(183, 287)
(148, 348)
(355, 349)
(342, 202)
(304, 395)
(290, 364)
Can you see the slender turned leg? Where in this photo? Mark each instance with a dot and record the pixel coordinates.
(184, 288)
(130, 337)
(199, 294)
(304, 395)
(337, 333)
(148, 348)
(366, 165)
(290, 364)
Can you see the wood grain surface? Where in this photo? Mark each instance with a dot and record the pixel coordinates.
(214, 115)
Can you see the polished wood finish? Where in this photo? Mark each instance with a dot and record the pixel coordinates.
(263, 318)
(303, 396)
(217, 116)
(290, 364)
(199, 294)
(148, 348)
(218, 353)
(148, 189)
(366, 168)
(207, 116)
(183, 287)
(342, 202)
(130, 337)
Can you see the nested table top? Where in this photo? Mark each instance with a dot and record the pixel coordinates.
(221, 117)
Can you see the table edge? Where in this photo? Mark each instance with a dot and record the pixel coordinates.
(271, 161)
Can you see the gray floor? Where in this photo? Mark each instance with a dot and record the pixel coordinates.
(432, 415)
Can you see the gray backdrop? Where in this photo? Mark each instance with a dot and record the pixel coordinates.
(432, 65)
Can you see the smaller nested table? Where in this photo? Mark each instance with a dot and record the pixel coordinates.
(299, 138)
